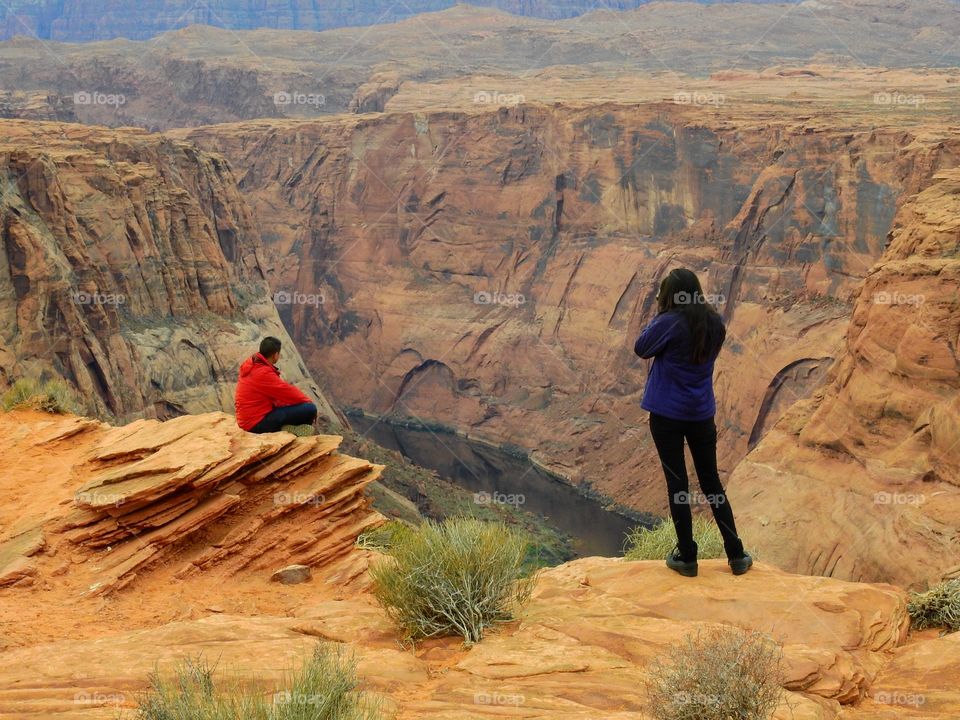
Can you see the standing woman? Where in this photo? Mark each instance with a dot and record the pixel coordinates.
(684, 340)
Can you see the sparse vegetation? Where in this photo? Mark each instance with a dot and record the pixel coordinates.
(937, 607)
(458, 577)
(717, 674)
(656, 543)
(324, 688)
(385, 537)
(53, 396)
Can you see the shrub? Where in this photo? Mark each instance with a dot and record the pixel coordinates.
(717, 674)
(384, 537)
(937, 607)
(455, 578)
(53, 396)
(656, 543)
(324, 688)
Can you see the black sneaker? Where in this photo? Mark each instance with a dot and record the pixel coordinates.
(741, 565)
(677, 564)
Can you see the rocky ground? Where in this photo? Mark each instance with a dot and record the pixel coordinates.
(160, 540)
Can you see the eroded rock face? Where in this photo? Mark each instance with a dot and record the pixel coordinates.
(863, 479)
(131, 266)
(491, 270)
(196, 488)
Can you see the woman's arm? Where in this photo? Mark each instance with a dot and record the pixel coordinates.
(654, 338)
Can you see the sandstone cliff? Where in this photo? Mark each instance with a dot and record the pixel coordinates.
(160, 539)
(863, 479)
(491, 270)
(92, 508)
(130, 266)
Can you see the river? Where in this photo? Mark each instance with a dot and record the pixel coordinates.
(497, 476)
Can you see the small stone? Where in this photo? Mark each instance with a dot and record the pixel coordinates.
(292, 574)
(214, 608)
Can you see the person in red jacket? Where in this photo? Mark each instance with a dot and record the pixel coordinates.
(265, 403)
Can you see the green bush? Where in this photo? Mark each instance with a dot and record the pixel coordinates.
(53, 396)
(324, 688)
(722, 673)
(937, 607)
(458, 577)
(656, 544)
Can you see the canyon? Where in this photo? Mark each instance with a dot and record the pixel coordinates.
(490, 270)
(487, 267)
(457, 222)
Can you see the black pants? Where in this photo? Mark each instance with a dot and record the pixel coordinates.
(701, 436)
(303, 414)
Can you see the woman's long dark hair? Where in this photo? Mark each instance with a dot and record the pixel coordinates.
(680, 290)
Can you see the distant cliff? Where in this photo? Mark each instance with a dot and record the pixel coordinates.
(129, 265)
(78, 21)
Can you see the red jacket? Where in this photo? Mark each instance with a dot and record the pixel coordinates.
(260, 390)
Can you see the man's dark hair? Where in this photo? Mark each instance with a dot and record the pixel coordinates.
(269, 346)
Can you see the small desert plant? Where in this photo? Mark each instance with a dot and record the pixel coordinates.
(384, 537)
(53, 396)
(656, 543)
(324, 688)
(458, 577)
(937, 607)
(722, 673)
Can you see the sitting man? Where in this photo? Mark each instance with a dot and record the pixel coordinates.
(265, 403)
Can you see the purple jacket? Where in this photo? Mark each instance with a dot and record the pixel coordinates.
(677, 388)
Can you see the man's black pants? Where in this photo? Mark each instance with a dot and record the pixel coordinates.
(302, 414)
(701, 436)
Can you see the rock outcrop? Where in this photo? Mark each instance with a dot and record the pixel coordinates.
(161, 538)
(196, 490)
(862, 480)
(130, 265)
(491, 269)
